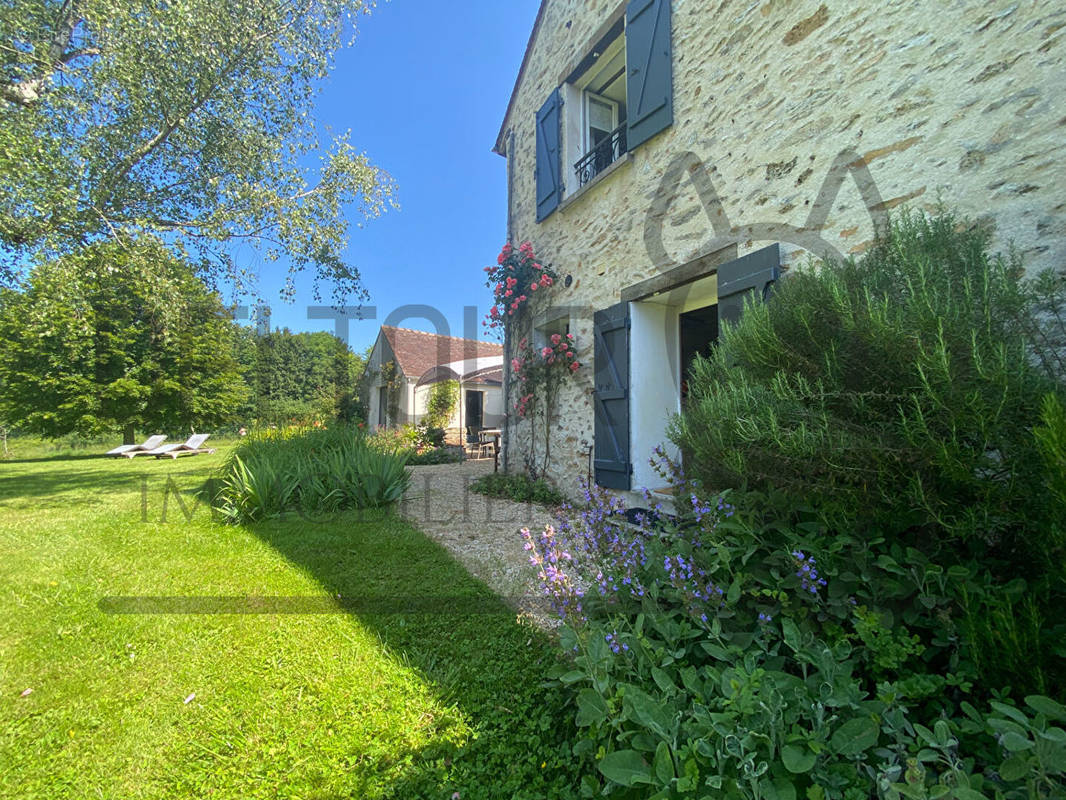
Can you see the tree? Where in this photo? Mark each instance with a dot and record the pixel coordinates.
(299, 376)
(116, 337)
(189, 119)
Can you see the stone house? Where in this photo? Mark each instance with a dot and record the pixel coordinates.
(669, 158)
(404, 364)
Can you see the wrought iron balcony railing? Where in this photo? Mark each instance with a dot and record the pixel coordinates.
(601, 156)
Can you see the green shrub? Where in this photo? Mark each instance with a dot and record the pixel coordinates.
(310, 471)
(1051, 441)
(901, 389)
(518, 487)
(717, 655)
(902, 395)
(408, 436)
(436, 455)
(430, 436)
(443, 397)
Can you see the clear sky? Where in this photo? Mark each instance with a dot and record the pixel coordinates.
(424, 90)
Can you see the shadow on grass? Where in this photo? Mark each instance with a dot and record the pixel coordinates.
(461, 638)
(56, 457)
(105, 477)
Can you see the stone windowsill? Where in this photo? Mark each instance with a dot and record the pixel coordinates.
(617, 164)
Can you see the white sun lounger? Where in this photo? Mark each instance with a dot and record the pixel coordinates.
(151, 443)
(192, 446)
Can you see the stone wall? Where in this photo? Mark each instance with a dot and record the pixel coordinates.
(802, 123)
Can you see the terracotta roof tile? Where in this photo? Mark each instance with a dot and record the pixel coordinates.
(493, 378)
(418, 351)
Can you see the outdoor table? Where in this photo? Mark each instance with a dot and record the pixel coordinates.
(495, 433)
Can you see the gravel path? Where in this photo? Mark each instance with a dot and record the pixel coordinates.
(482, 533)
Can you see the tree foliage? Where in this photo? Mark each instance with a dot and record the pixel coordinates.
(115, 336)
(899, 390)
(443, 398)
(189, 118)
(302, 377)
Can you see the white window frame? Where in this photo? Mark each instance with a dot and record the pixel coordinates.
(586, 121)
(575, 116)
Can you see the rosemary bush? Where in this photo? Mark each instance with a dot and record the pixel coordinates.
(910, 395)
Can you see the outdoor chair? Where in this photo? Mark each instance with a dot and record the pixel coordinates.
(486, 445)
(150, 443)
(477, 444)
(473, 442)
(193, 446)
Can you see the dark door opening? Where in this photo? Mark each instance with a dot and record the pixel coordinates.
(383, 405)
(698, 331)
(475, 409)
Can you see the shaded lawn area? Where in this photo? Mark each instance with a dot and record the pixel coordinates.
(359, 702)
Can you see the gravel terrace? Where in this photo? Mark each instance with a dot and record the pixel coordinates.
(482, 533)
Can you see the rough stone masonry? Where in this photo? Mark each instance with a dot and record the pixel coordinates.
(912, 103)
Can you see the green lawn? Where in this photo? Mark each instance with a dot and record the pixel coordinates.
(359, 702)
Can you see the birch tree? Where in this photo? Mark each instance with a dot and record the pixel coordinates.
(189, 119)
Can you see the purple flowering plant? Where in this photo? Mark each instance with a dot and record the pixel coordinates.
(686, 623)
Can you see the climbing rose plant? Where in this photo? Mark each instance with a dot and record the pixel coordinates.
(514, 281)
(539, 372)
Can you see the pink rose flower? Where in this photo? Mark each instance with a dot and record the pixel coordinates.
(556, 338)
(574, 366)
(547, 351)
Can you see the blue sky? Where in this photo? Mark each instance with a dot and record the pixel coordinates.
(424, 89)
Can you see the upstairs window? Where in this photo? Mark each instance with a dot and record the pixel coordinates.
(595, 137)
(618, 97)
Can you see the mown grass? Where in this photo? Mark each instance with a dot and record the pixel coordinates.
(356, 703)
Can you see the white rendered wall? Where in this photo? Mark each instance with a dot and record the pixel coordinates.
(654, 390)
(492, 408)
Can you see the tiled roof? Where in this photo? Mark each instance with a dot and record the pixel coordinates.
(418, 351)
(491, 378)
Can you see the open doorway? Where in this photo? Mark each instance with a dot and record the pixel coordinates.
(475, 409)
(698, 330)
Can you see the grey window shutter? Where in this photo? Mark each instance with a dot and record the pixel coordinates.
(549, 180)
(753, 275)
(649, 60)
(611, 398)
